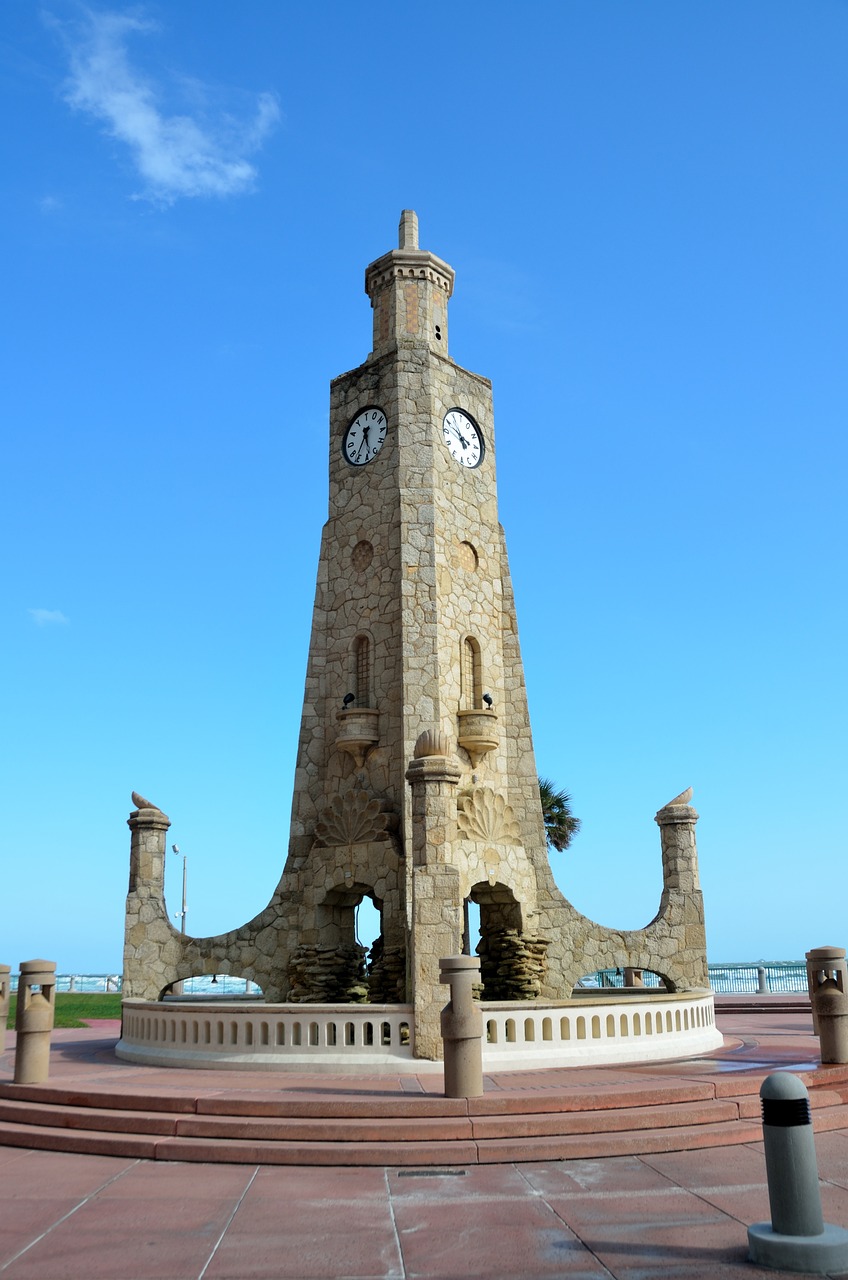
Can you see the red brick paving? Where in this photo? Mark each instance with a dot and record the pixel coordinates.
(668, 1216)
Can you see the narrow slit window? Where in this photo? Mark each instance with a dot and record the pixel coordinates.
(471, 675)
(362, 670)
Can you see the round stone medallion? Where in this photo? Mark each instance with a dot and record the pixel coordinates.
(361, 556)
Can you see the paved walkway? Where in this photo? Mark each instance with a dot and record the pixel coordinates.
(65, 1216)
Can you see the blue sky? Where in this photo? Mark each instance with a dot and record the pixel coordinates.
(645, 204)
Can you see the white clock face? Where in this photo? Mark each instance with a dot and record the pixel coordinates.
(365, 436)
(463, 438)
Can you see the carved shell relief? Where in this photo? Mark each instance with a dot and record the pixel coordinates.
(482, 814)
(354, 818)
(432, 742)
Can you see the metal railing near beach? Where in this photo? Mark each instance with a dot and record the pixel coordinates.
(725, 979)
(224, 985)
(771, 976)
(82, 982)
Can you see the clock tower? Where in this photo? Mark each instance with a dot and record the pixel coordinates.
(415, 783)
(415, 693)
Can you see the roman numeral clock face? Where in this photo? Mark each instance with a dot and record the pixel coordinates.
(365, 436)
(463, 438)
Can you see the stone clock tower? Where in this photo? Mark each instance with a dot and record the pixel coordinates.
(416, 783)
(414, 634)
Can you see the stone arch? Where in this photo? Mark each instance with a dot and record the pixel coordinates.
(512, 966)
(613, 974)
(186, 972)
(337, 968)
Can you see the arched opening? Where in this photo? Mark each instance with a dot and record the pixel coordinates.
(212, 986)
(512, 967)
(617, 979)
(352, 964)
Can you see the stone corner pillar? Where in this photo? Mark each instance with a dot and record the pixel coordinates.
(676, 821)
(148, 827)
(146, 913)
(436, 907)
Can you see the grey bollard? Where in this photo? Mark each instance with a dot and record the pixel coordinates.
(5, 995)
(797, 1238)
(762, 984)
(462, 1029)
(34, 1020)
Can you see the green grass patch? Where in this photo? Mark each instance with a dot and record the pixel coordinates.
(74, 1008)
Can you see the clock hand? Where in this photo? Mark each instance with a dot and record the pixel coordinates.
(363, 441)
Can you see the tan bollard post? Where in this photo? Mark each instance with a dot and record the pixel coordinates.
(828, 982)
(633, 978)
(823, 959)
(462, 1028)
(34, 1020)
(5, 995)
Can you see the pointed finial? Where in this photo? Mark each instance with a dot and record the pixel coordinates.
(408, 230)
(684, 798)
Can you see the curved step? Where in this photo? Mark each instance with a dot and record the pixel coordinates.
(412, 1130)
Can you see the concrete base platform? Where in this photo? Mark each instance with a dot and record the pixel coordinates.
(96, 1104)
(654, 1216)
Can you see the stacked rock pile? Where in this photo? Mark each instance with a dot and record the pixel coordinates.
(386, 974)
(512, 967)
(328, 976)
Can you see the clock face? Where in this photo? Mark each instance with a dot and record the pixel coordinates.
(365, 436)
(463, 438)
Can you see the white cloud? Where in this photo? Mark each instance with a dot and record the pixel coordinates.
(199, 153)
(47, 617)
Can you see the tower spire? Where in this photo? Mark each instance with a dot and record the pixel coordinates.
(408, 229)
(409, 290)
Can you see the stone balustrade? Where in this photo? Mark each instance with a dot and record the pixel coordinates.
(585, 1031)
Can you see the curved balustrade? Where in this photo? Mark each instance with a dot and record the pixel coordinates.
(371, 1037)
(342, 1036)
(603, 1029)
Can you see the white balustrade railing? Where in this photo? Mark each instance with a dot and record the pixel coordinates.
(265, 1035)
(589, 1030)
(600, 1029)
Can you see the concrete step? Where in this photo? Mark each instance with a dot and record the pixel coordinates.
(521, 1125)
(502, 1126)
(400, 1106)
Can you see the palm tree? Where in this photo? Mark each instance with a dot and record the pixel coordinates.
(560, 824)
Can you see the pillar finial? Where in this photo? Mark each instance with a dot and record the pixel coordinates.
(408, 230)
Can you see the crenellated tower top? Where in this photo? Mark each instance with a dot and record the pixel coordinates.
(409, 290)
